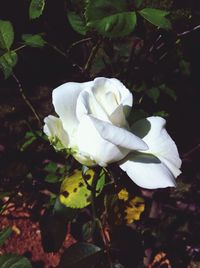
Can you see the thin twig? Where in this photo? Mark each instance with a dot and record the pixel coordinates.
(78, 43)
(28, 103)
(91, 56)
(19, 48)
(58, 50)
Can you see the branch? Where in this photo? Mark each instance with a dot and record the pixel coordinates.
(91, 56)
(28, 103)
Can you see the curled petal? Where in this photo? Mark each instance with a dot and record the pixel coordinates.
(152, 131)
(147, 171)
(90, 142)
(118, 136)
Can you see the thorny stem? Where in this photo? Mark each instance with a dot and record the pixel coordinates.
(28, 103)
(91, 56)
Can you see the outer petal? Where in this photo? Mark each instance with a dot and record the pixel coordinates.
(53, 128)
(147, 171)
(64, 101)
(91, 143)
(152, 131)
(118, 136)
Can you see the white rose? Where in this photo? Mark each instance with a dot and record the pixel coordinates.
(92, 126)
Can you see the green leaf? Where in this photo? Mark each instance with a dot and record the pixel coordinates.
(74, 192)
(7, 62)
(14, 261)
(35, 40)
(77, 22)
(156, 17)
(51, 167)
(6, 34)
(27, 143)
(153, 93)
(52, 178)
(111, 19)
(4, 234)
(36, 8)
(81, 255)
(162, 114)
(168, 91)
(138, 3)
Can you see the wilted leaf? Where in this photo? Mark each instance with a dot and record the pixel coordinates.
(4, 234)
(123, 195)
(6, 34)
(14, 261)
(111, 19)
(36, 8)
(156, 17)
(77, 22)
(80, 255)
(134, 209)
(34, 40)
(74, 192)
(7, 62)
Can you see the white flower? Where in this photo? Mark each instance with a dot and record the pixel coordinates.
(92, 126)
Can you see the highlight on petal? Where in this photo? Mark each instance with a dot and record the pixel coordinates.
(90, 142)
(147, 171)
(53, 128)
(152, 131)
(118, 136)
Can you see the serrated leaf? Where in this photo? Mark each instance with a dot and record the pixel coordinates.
(74, 192)
(7, 62)
(36, 8)
(80, 255)
(156, 17)
(6, 34)
(154, 94)
(111, 19)
(77, 22)
(14, 261)
(4, 234)
(34, 40)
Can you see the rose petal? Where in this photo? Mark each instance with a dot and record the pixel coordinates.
(147, 171)
(53, 128)
(152, 131)
(110, 93)
(91, 143)
(65, 100)
(87, 104)
(118, 136)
